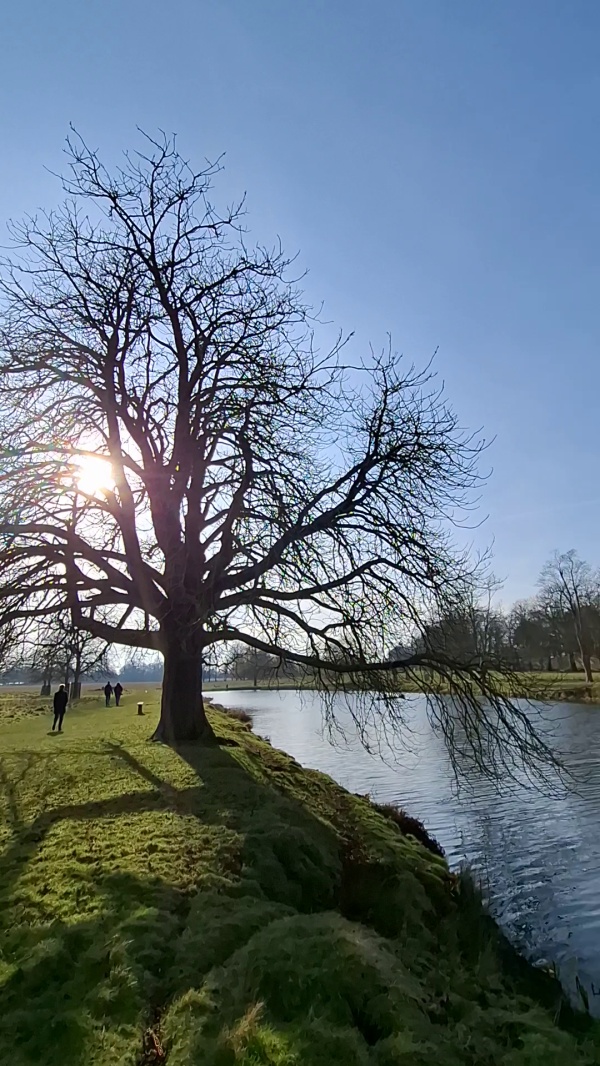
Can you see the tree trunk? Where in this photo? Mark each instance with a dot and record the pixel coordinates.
(66, 681)
(182, 715)
(550, 667)
(587, 665)
(75, 688)
(572, 663)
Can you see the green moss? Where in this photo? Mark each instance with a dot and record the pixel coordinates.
(228, 907)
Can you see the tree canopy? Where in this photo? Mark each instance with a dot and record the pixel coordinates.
(248, 488)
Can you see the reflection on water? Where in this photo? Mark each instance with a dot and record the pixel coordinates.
(538, 857)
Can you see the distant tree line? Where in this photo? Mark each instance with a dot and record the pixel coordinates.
(137, 669)
(556, 630)
(251, 664)
(53, 650)
(56, 651)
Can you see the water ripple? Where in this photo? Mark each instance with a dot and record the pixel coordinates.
(538, 857)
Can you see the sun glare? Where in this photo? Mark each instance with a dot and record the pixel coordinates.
(93, 475)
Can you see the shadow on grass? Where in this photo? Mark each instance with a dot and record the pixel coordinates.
(90, 982)
(68, 984)
(85, 988)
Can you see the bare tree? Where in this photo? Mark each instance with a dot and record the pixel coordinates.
(474, 631)
(255, 490)
(11, 646)
(43, 660)
(82, 655)
(58, 649)
(251, 664)
(569, 585)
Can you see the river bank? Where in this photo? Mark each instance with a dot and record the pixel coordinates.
(569, 688)
(226, 906)
(546, 687)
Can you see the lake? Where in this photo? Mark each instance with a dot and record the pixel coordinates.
(537, 856)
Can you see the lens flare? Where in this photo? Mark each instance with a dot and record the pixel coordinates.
(93, 475)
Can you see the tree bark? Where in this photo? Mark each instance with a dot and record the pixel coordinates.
(587, 665)
(572, 663)
(75, 688)
(182, 716)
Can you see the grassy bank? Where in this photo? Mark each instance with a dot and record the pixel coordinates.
(566, 688)
(569, 688)
(225, 906)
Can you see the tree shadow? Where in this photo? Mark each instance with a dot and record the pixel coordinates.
(82, 983)
(71, 982)
(227, 795)
(67, 984)
(119, 751)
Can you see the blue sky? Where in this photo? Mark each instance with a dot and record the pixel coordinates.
(435, 164)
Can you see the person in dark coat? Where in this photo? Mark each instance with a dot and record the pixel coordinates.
(60, 705)
(108, 690)
(118, 692)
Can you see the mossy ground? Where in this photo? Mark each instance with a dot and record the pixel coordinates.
(225, 906)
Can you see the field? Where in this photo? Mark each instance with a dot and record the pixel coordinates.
(223, 906)
(24, 701)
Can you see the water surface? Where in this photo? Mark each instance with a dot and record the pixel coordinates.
(538, 856)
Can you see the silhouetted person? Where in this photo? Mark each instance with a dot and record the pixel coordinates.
(118, 692)
(108, 690)
(60, 705)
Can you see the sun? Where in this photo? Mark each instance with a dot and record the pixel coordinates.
(93, 475)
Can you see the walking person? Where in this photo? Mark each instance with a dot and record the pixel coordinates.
(60, 705)
(108, 691)
(118, 692)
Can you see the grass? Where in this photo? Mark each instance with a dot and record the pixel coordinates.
(24, 701)
(569, 688)
(224, 906)
(529, 684)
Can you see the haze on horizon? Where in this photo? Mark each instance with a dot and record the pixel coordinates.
(434, 165)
